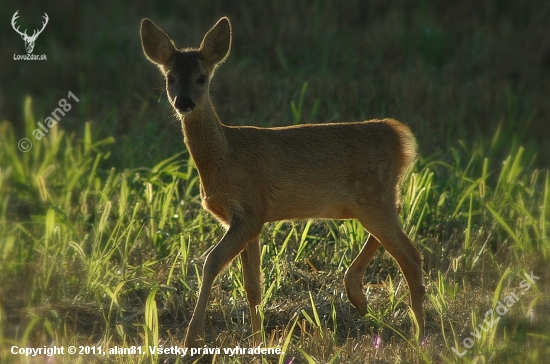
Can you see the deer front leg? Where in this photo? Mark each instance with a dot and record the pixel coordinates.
(232, 243)
(250, 258)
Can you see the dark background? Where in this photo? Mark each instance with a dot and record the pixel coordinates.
(449, 70)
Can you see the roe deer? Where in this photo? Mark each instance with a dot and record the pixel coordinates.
(250, 176)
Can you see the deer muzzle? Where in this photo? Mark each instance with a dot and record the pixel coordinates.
(184, 105)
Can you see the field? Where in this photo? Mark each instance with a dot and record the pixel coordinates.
(102, 235)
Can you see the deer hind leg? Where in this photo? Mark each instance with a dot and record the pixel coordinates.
(250, 258)
(384, 225)
(232, 243)
(353, 278)
(414, 279)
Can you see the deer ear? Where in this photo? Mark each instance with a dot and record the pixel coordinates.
(157, 46)
(216, 43)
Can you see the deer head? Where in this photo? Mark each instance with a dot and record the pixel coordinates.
(29, 41)
(187, 71)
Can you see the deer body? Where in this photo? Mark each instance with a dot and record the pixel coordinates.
(256, 171)
(250, 176)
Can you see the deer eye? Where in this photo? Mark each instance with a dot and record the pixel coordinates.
(201, 80)
(170, 80)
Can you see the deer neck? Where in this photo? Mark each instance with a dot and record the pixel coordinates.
(205, 137)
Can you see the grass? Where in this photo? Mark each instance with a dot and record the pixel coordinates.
(113, 257)
(102, 236)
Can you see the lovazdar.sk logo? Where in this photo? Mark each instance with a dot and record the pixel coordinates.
(29, 40)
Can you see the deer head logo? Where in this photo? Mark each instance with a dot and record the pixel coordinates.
(29, 41)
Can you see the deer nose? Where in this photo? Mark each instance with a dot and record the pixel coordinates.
(184, 104)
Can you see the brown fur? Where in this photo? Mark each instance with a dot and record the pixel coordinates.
(250, 176)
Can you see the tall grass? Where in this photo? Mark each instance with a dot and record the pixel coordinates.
(92, 255)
